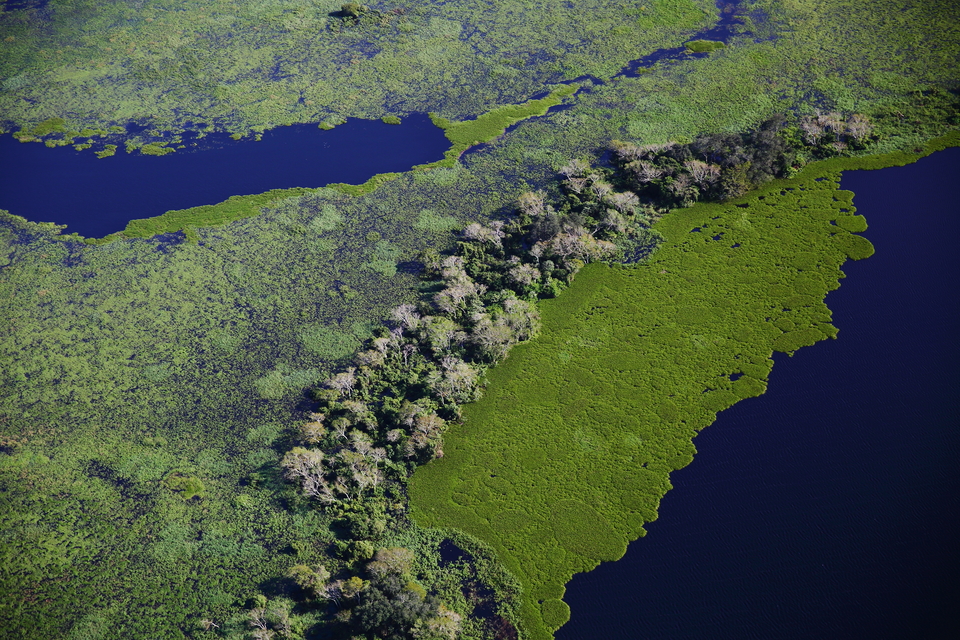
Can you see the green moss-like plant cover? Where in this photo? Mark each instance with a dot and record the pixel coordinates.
(391, 119)
(247, 65)
(108, 150)
(492, 124)
(567, 456)
(186, 486)
(234, 208)
(367, 187)
(155, 149)
(703, 46)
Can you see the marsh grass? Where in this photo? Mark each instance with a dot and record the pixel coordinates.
(703, 46)
(132, 360)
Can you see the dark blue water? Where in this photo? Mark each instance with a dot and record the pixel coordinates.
(829, 507)
(96, 196)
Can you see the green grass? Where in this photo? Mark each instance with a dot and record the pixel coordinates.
(567, 456)
(703, 46)
(492, 124)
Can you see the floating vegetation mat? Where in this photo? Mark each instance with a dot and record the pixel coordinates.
(568, 454)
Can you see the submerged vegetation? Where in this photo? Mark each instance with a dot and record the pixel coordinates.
(155, 389)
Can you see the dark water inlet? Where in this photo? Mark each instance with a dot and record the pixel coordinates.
(827, 508)
(95, 197)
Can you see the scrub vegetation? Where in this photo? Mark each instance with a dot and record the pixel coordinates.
(153, 385)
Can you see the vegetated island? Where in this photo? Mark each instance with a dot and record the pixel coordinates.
(568, 454)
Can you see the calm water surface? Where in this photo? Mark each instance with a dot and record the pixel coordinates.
(829, 507)
(95, 197)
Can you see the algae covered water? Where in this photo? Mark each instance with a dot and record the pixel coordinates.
(827, 507)
(95, 197)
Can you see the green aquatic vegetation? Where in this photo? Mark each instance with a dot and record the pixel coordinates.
(813, 60)
(210, 215)
(249, 65)
(187, 487)
(155, 149)
(428, 220)
(369, 186)
(136, 359)
(331, 344)
(560, 475)
(107, 151)
(493, 124)
(391, 119)
(129, 362)
(703, 46)
(51, 125)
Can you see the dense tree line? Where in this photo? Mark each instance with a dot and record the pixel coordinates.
(722, 166)
(379, 418)
(385, 414)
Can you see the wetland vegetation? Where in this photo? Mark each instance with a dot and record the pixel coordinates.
(155, 388)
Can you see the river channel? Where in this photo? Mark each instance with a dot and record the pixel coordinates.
(828, 507)
(95, 197)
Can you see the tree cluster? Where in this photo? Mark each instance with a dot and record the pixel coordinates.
(385, 414)
(386, 603)
(379, 418)
(393, 606)
(722, 166)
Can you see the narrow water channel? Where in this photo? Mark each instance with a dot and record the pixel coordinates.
(827, 508)
(95, 197)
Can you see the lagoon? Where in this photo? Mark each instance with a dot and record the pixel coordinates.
(828, 506)
(95, 197)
